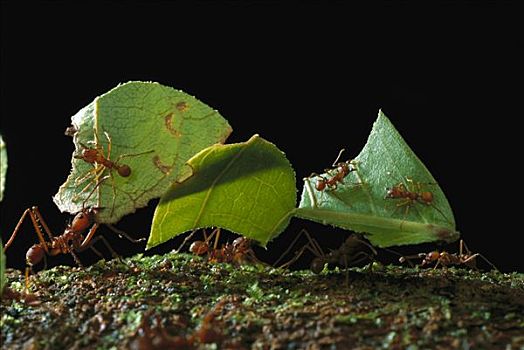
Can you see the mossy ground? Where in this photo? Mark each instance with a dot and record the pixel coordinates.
(116, 305)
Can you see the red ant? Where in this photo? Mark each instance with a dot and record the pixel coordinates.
(354, 250)
(95, 156)
(239, 252)
(464, 257)
(72, 240)
(340, 169)
(409, 197)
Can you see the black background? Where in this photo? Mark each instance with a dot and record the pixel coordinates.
(308, 76)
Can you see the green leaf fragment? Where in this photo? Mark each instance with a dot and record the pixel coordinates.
(359, 203)
(248, 188)
(3, 167)
(153, 129)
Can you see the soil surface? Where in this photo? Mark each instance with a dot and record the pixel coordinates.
(183, 302)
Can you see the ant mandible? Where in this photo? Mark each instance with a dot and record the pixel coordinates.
(409, 197)
(72, 240)
(464, 257)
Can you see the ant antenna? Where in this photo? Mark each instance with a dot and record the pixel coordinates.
(338, 157)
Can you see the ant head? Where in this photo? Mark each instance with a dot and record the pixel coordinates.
(241, 243)
(317, 265)
(199, 247)
(34, 255)
(321, 184)
(83, 219)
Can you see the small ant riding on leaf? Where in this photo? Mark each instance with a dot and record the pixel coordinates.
(100, 162)
(332, 177)
(409, 195)
(337, 173)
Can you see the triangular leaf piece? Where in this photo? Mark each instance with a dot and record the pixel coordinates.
(360, 203)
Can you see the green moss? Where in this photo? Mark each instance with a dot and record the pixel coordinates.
(104, 305)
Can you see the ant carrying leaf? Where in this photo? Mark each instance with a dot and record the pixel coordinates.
(354, 250)
(463, 258)
(71, 241)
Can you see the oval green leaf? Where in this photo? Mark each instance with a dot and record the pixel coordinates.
(248, 188)
(151, 128)
(359, 203)
(3, 167)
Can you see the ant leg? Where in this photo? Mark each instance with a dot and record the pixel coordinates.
(108, 156)
(123, 234)
(291, 245)
(113, 187)
(297, 255)
(17, 228)
(408, 258)
(108, 246)
(216, 233)
(132, 155)
(35, 217)
(311, 193)
(75, 257)
(99, 182)
(474, 256)
(188, 237)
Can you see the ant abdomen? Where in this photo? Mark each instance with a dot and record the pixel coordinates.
(124, 170)
(317, 265)
(34, 255)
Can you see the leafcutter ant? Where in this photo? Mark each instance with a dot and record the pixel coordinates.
(464, 257)
(337, 173)
(71, 241)
(409, 196)
(354, 250)
(239, 252)
(100, 161)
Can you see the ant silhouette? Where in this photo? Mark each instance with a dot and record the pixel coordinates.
(100, 162)
(464, 257)
(354, 250)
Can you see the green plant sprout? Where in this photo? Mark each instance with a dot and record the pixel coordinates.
(154, 127)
